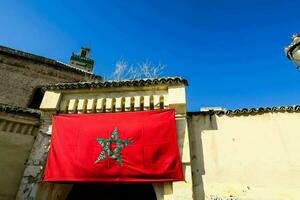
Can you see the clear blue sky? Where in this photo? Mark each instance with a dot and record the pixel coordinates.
(230, 51)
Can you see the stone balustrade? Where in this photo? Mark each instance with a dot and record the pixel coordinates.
(117, 103)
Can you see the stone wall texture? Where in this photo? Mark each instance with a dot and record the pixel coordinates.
(20, 77)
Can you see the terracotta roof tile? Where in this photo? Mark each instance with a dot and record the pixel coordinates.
(251, 111)
(121, 83)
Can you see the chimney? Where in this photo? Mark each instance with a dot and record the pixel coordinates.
(82, 60)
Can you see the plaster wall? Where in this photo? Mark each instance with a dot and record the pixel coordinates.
(16, 139)
(14, 150)
(245, 157)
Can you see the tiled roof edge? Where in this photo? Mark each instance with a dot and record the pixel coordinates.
(122, 83)
(41, 59)
(19, 110)
(251, 111)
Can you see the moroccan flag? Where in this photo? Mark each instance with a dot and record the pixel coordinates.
(114, 147)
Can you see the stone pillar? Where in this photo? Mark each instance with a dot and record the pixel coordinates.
(34, 165)
(32, 176)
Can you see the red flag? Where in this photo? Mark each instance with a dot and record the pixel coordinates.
(114, 147)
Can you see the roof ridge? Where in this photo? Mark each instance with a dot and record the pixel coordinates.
(253, 110)
(42, 59)
(19, 110)
(174, 80)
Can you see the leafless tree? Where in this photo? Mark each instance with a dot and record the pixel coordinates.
(120, 70)
(142, 70)
(149, 70)
(134, 73)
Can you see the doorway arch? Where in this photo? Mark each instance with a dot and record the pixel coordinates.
(112, 192)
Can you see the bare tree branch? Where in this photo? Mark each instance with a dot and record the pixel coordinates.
(134, 73)
(142, 70)
(156, 71)
(120, 70)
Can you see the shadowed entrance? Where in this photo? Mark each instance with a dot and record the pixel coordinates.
(112, 192)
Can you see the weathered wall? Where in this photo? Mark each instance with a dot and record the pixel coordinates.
(16, 138)
(245, 157)
(19, 77)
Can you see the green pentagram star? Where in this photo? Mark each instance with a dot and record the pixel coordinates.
(106, 150)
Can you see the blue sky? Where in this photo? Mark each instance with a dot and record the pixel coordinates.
(230, 51)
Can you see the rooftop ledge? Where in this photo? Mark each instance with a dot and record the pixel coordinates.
(118, 83)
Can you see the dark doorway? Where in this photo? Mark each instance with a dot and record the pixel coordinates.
(112, 192)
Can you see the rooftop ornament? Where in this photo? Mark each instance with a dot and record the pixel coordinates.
(293, 50)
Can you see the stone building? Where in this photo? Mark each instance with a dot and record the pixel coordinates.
(225, 154)
(22, 76)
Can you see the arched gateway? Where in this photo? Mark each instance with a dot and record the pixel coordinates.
(112, 192)
(110, 97)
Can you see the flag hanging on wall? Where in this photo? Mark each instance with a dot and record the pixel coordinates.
(114, 147)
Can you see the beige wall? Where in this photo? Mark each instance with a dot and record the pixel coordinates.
(16, 139)
(246, 157)
(14, 150)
